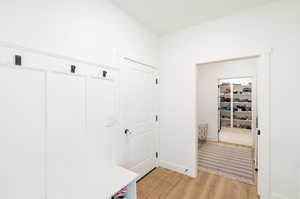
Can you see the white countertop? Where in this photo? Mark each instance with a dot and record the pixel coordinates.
(116, 179)
(111, 181)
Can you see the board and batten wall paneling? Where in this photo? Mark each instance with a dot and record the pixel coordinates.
(63, 126)
(101, 119)
(22, 129)
(66, 135)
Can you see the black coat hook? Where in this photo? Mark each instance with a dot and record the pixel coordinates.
(18, 60)
(73, 68)
(104, 73)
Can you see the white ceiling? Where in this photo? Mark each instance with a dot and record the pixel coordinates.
(163, 16)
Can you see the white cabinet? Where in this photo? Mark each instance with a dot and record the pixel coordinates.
(22, 128)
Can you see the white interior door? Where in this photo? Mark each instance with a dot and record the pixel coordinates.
(22, 130)
(138, 113)
(66, 135)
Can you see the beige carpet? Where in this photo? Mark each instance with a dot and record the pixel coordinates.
(236, 136)
(233, 162)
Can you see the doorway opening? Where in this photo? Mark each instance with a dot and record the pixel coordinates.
(226, 106)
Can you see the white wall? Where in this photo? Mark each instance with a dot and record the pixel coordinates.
(277, 26)
(90, 30)
(207, 88)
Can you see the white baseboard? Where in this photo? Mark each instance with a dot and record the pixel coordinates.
(278, 196)
(175, 167)
(212, 139)
(299, 178)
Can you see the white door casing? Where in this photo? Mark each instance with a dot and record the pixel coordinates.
(264, 119)
(263, 110)
(138, 116)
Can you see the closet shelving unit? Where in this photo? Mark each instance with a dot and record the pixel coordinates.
(235, 105)
(225, 105)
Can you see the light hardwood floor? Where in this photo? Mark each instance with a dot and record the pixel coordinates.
(166, 184)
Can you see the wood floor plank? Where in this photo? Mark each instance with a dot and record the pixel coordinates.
(166, 184)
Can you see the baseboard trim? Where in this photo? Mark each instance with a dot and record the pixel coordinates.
(212, 139)
(175, 167)
(146, 174)
(278, 196)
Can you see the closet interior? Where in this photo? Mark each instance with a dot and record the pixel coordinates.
(235, 105)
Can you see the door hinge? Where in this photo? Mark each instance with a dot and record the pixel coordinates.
(156, 154)
(258, 132)
(156, 118)
(156, 81)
